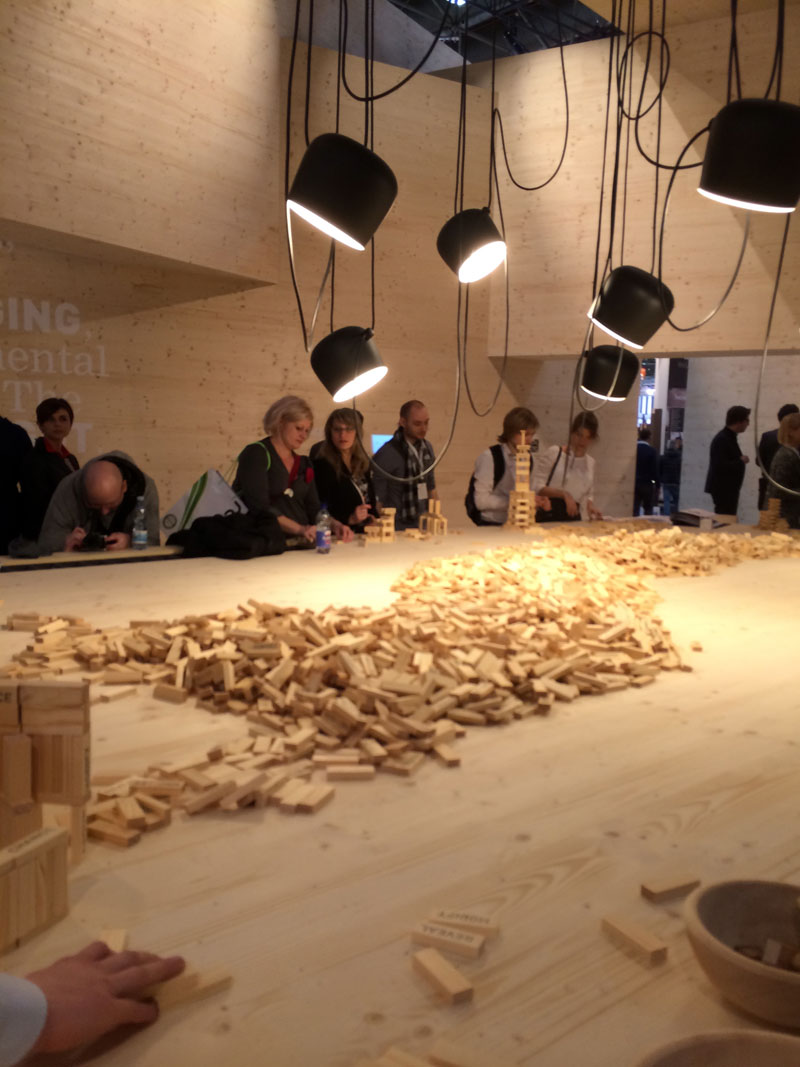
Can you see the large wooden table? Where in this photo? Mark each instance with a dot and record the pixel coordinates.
(554, 822)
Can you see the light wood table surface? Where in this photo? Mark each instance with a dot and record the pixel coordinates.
(553, 822)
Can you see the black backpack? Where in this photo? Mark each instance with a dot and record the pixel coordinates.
(469, 499)
(236, 536)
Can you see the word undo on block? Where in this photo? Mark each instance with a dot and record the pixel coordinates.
(459, 942)
(465, 920)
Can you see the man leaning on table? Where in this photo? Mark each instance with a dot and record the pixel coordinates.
(96, 507)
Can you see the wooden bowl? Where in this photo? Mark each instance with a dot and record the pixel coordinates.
(725, 915)
(728, 1048)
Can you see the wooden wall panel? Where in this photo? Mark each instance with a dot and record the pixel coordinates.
(147, 125)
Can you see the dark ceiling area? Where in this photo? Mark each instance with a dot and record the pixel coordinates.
(515, 26)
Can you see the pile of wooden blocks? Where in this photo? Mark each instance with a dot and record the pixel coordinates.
(671, 551)
(522, 499)
(382, 528)
(770, 519)
(432, 521)
(44, 759)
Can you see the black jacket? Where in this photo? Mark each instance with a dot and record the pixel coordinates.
(725, 466)
(42, 470)
(339, 492)
(14, 446)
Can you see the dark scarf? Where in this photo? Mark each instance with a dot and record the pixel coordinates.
(415, 462)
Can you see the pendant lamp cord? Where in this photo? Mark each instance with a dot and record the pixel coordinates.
(498, 121)
(783, 488)
(737, 268)
(403, 81)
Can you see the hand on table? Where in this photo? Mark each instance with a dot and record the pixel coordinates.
(95, 991)
(76, 538)
(117, 541)
(359, 515)
(572, 507)
(543, 502)
(344, 533)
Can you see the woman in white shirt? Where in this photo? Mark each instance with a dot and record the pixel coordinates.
(576, 490)
(494, 475)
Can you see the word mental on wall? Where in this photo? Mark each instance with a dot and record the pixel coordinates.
(31, 373)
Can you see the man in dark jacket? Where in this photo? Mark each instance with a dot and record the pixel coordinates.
(767, 447)
(100, 500)
(645, 486)
(726, 463)
(14, 447)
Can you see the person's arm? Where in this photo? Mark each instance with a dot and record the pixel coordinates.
(252, 482)
(23, 1011)
(555, 490)
(35, 492)
(592, 511)
(389, 459)
(727, 457)
(151, 511)
(487, 496)
(62, 522)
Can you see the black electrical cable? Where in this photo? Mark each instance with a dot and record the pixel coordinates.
(726, 294)
(777, 59)
(498, 119)
(292, 59)
(504, 364)
(403, 81)
(310, 38)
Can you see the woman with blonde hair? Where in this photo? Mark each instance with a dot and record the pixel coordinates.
(342, 470)
(785, 469)
(273, 477)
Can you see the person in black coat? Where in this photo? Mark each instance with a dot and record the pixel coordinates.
(645, 486)
(785, 469)
(47, 464)
(14, 447)
(767, 447)
(342, 470)
(726, 463)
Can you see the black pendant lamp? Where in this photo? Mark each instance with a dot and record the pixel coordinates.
(347, 362)
(609, 372)
(752, 157)
(631, 305)
(471, 245)
(343, 189)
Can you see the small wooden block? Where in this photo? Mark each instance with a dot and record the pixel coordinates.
(449, 939)
(661, 889)
(171, 693)
(636, 937)
(103, 830)
(443, 976)
(116, 938)
(209, 798)
(188, 987)
(118, 694)
(358, 772)
(317, 797)
(447, 755)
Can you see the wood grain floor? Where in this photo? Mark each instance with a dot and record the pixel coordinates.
(552, 822)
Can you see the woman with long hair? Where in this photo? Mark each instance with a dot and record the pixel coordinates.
(342, 470)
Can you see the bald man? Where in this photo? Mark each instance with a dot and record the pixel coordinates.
(99, 502)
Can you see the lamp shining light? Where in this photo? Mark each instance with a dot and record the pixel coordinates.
(347, 362)
(343, 189)
(752, 157)
(609, 372)
(631, 305)
(471, 245)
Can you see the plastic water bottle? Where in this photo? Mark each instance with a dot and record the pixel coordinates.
(323, 530)
(139, 533)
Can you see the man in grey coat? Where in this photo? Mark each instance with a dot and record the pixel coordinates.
(96, 506)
